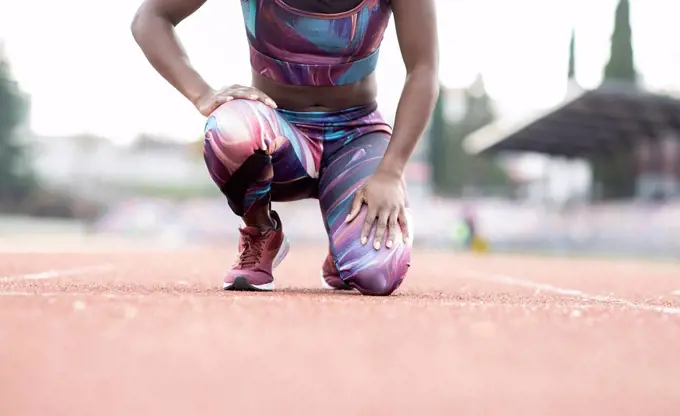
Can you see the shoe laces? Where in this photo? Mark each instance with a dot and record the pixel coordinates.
(252, 251)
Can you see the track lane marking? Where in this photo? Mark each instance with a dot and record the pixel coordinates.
(474, 305)
(515, 281)
(56, 273)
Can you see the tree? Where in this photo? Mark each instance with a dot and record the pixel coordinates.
(16, 178)
(621, 65)
(571, 74)
(614, 172)
(437, 144)
(453, 170)
(478, 171)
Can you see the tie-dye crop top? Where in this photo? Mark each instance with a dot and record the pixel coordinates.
(296, 47)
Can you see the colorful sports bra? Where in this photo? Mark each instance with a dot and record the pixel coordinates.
(296, 47)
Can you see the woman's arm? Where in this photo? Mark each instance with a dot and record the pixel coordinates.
(416, 26)
(153, 28)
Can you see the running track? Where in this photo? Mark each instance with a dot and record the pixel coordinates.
(111, 332)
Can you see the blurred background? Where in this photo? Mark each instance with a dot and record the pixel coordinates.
(557, 128)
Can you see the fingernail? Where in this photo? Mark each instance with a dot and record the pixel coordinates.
(376, 245)
(253, 97)
(388, 244)
(364, 240)
(348, 217)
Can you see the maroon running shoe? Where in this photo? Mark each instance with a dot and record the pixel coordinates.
(259, 253)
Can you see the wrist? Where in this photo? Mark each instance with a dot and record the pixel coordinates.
(390, 168)
(197, 95)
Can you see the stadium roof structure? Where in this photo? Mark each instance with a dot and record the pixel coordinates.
(587, 123)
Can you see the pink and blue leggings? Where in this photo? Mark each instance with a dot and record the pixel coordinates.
(256, 153)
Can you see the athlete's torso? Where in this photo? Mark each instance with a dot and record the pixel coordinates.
(315, 54)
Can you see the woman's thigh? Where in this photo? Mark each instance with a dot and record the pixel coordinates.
(371, 271)
(251, 148)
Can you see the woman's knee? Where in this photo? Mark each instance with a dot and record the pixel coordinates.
(379, 273)
(238, 128)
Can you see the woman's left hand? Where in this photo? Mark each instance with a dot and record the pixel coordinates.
(385, 197)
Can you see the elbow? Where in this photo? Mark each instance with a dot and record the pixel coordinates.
(140, 21)
(137, 24)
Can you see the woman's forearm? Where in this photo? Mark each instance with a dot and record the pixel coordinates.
(414, 110)
(156, 36)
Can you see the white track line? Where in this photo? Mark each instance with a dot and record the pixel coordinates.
(514, 281)
(72, 294)
(52, 273)
(463, 304)
(466, 304)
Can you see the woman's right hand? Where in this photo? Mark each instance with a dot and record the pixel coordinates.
(211, 100)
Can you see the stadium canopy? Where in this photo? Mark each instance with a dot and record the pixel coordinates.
(587, 123)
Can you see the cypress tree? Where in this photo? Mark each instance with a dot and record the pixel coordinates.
(16, 180)
(614, 172)
(571, 76)
(437, 144)
(621, 65)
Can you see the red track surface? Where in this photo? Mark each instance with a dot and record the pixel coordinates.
(153, 334)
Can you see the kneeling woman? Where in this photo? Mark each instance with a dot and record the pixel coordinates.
(309, 127)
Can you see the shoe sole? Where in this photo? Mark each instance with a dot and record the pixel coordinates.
(241, 283)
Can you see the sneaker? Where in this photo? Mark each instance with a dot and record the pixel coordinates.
(330, 276)
(259, 253)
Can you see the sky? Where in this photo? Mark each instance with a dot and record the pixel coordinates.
(85, 73)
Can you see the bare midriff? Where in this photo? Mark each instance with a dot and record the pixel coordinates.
(324, 98)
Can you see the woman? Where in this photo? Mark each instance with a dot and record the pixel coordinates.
(308, 127)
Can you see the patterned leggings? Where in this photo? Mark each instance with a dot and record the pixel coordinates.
(255, 153)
